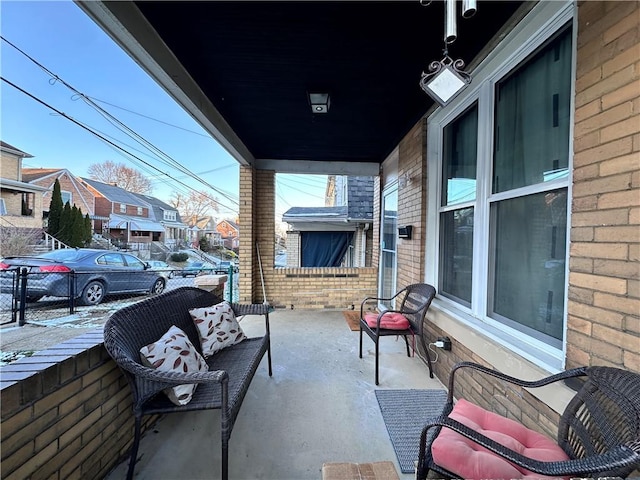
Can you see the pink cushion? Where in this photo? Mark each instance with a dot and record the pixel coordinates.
(465, 458)
(391, 321)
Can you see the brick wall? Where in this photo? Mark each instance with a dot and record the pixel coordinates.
(286, 287)
(66, 413)
(80, 196)
(411, 203)
(604, 279)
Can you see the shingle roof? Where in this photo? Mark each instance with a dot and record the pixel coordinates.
(116, 194)
(31, 174)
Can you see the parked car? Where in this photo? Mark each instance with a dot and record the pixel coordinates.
(197, 268)
(98, 273)
(223, 268)
(163, 268)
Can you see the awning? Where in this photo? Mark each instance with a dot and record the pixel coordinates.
(135, 224)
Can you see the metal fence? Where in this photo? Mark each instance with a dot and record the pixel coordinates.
(21, 301)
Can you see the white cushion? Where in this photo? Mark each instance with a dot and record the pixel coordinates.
(217, 326)
(173, 352)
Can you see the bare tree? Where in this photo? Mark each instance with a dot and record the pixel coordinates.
(119, 174)
(193, 206)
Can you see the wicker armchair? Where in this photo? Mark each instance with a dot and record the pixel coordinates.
(413, 302)
(599, 429)
(223, 387)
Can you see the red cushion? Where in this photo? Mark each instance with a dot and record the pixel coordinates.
(391, 321)
(465, 458)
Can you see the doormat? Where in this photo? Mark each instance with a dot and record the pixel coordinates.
(353, 319)
(404, 413)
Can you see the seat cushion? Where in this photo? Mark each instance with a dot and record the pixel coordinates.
(391, 321)
(465, 458)
(173, 352)
(217, 326)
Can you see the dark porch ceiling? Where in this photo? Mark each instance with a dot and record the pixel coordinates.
(255, 62)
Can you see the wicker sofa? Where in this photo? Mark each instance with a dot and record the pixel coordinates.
(599, 431)
(223, 388)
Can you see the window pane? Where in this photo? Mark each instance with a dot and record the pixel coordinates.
(390, 223)
(529, 252)
(532, 119)
(456, 254)
(460, 158)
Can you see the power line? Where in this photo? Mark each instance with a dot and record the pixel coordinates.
(101, 137)
(120, 125)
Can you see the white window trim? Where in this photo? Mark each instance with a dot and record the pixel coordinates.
(538, 26)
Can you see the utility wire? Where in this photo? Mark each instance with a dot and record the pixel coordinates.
(151, 118)
(101, 137)
(120, 125)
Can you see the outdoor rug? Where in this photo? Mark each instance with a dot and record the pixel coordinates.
(353, 319)
(404, 413)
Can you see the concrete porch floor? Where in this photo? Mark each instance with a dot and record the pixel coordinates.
(318, 407)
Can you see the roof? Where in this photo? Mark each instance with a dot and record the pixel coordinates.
(116, 194)
(135, 223)
(31, 174)
(244, 69)
(5, 147)
(159, 207)
(315, 214)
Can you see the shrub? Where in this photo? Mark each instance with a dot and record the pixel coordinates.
(179, 257)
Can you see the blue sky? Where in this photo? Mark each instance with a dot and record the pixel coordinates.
(58, 35)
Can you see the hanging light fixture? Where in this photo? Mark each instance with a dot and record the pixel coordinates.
(446, 78)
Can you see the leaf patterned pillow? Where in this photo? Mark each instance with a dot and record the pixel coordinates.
(174, 352)
(217, 326)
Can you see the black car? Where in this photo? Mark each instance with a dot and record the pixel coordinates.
(98, 273)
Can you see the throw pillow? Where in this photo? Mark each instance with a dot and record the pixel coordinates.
(217, 326)
(173, 352)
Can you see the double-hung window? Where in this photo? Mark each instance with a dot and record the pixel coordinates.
(502, 201)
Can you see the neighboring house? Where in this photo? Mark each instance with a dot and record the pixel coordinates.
(203, 227)
(71, 188)
(131, 220)
(230, 234)
(20, 202)
(174, 229)
(335, 235)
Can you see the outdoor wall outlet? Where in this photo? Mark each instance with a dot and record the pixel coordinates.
(446, 343)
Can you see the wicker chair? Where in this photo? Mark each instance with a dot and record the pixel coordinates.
(413, 302)
(224, 388)
(599, 429)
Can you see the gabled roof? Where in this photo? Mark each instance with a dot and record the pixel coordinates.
(159, 207)
(315, 214)
(31, 174)
(116, 194)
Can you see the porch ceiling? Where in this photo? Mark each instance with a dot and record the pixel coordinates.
(243, 70)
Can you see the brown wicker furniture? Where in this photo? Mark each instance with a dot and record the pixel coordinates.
(412, 302)
(223, 387)
(599, 429)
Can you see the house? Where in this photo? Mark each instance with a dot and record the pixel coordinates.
(203, 227)
(175, 230)
(20, 202)
(229, 234)
(71, 188)
(130, 219)
(338, 234)
(522, 189)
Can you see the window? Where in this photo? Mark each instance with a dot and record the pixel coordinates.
(27, 204)
(460, 148)
(139, 210)
(66, 197)
(3, 207)
(503, 194)
(169, 216)
(123, 208)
